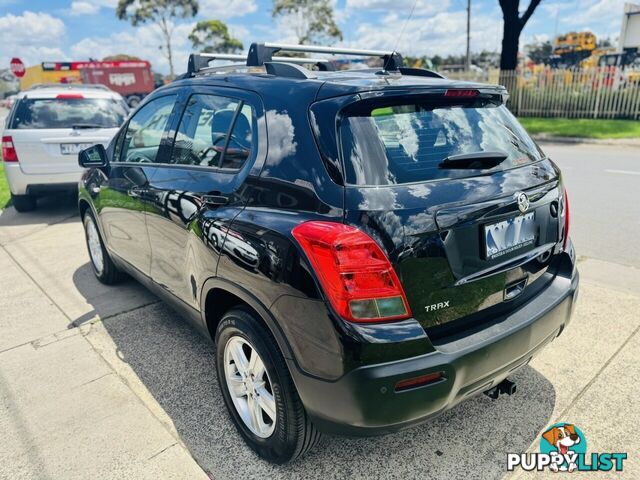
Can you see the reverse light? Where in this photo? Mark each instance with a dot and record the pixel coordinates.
(354, 272)
(565, 212)
(461, 93)
(418, 381)
(69, 96)
(9, 153)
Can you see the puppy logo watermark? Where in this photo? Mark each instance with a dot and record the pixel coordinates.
(565, 441)
(563, 448)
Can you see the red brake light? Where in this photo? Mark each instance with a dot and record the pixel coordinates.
(461, 93)
(9, 153)
(69, 96)
(567, 217)
(354, 272)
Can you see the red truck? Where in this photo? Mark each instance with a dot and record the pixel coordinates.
(130, 78)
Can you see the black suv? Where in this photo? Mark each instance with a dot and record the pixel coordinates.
(367, 248)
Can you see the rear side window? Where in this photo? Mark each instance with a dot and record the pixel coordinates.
(39, 113)
(394, 144)
(215, 132)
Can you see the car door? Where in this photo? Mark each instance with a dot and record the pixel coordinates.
(199, 191)
(122, 200)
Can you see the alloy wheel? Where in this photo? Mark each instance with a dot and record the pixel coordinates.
(95, 247)
(250, 387)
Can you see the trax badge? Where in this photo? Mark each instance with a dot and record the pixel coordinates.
(437, 306)
(523, 201)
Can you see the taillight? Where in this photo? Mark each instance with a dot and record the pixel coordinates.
(354, 272)
(565, 212)
(9, 153)
(461, 93)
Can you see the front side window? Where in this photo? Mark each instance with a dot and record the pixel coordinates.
(145, 130)
(68, 111)
(214, 132)
(407, 143)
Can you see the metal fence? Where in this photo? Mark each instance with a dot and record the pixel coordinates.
(606, 92)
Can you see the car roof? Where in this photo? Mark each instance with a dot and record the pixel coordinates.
(331, 84)
(52, 91)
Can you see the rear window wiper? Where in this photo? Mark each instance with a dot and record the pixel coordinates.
(79, 126)
(475, 160)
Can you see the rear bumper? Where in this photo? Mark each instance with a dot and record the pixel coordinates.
(364, 401)
(21, 183)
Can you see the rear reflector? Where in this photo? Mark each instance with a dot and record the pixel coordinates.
(69, 96)
(418, 381)
(353, 271)
(9, 153)
(567, 217)
(461, 93)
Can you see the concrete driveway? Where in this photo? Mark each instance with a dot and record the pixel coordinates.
(106, 382)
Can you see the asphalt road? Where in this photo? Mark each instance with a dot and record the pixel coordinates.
(106, 382)
(603, 183)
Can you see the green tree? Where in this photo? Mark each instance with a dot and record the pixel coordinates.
(213, 36)
(313, 20)
(160, 12)
(540, 52)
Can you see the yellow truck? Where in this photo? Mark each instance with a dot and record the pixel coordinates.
(48, 73)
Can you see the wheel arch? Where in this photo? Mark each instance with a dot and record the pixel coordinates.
(218, 296)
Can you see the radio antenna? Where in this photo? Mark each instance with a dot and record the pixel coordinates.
(386, 64)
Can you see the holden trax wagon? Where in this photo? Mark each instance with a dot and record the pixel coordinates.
(366, 248)
(46, 128)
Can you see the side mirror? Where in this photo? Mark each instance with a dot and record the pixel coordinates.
(93, 157)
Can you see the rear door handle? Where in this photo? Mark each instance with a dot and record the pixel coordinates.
(215, 200)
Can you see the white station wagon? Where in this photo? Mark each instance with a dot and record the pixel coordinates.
(46, 128)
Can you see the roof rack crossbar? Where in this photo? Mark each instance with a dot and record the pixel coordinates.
(259, 53)
(200, 61)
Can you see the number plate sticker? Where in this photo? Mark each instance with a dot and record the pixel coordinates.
(73, 148)
(509, 235)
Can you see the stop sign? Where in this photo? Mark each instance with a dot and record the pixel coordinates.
(17, 67)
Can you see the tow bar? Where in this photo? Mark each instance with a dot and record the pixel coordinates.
(505, 387)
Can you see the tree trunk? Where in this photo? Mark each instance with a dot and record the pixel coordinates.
(167, 39)
(170, 58)
(510, 45)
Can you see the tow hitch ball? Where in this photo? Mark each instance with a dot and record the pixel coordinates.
(506, 387)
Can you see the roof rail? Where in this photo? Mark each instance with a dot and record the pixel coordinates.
(200, 61)
(88, 86)
(260, 53)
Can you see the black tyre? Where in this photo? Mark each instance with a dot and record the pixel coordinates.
(23, 203)
(133, 101)
(103, 267)
(258, 390)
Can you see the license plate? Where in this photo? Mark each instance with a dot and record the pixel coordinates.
(509, 235)
(73, 148)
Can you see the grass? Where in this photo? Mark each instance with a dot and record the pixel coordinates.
(583, 127)
(5, 196)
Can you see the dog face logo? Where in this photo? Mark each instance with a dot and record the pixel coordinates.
(563, 438)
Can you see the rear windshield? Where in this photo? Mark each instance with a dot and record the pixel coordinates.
(393, 144)
(68, 112)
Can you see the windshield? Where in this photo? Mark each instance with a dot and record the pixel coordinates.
(68, 112)
(383, 145)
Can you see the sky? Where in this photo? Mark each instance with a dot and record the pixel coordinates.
(59, 30)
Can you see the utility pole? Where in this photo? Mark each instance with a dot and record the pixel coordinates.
(467, 65)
